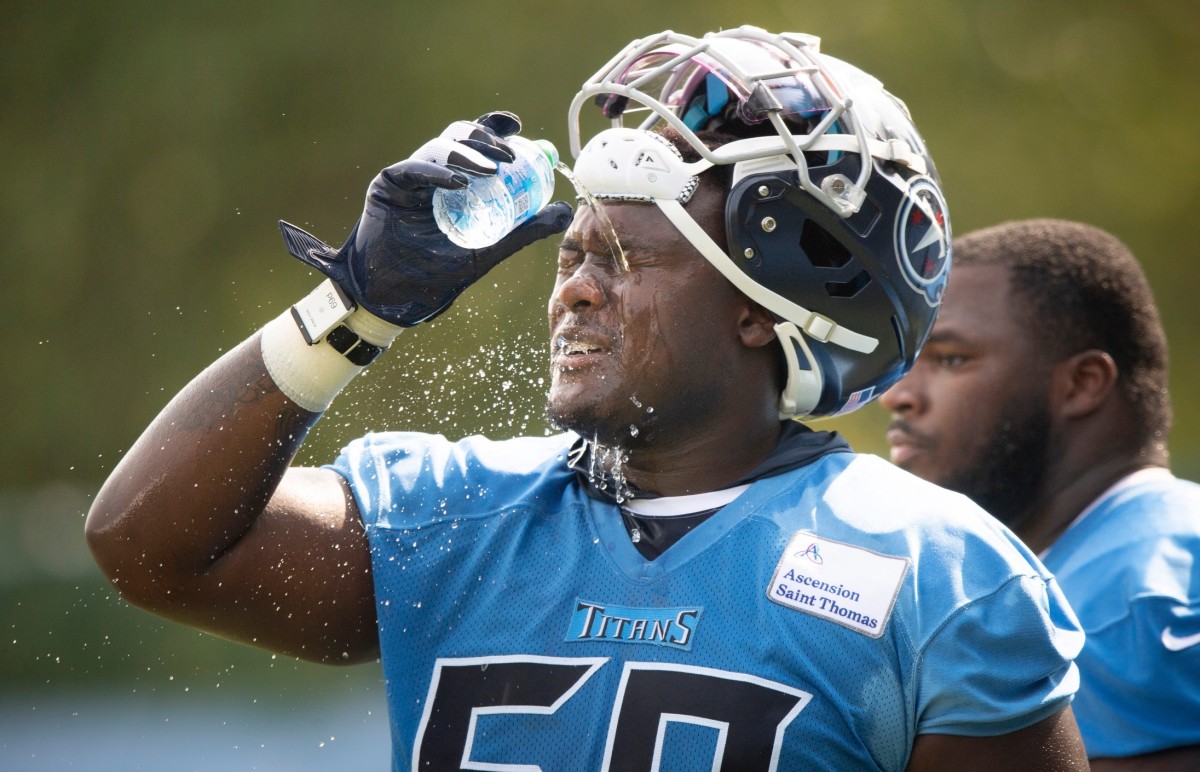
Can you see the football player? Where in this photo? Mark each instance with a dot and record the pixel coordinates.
(1042, 395)
(684, 577)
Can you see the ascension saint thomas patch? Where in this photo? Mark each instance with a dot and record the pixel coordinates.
(849, 585)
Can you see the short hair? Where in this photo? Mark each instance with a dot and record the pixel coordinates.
(720, 175)
(1082, 288)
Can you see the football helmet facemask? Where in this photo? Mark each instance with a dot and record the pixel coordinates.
(835, 218)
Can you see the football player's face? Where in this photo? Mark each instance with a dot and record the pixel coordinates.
(973, 413)
(637, 349)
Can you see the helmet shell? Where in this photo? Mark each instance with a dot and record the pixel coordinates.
(835, 219)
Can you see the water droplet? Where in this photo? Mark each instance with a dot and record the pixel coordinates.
(614, 246)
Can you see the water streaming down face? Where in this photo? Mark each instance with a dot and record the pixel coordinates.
(607, 463)
(614, 245)
(607, 466)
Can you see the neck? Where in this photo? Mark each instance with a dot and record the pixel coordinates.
(701, 463)
(1071, 488)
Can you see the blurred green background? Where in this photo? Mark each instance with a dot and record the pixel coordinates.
(148, 149)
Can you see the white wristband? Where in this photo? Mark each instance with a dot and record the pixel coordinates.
(312, 375)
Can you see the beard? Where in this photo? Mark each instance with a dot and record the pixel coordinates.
(609, 411)
(1006, 477)
(603, 424)
(584, 421)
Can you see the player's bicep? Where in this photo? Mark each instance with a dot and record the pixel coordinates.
(1051, 744)
(312, 522)
(299, 581)
(1170, 760)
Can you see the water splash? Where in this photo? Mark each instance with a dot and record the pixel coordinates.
(607, 468)
(613, 243)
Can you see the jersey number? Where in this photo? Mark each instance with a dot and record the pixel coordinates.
(749, 714)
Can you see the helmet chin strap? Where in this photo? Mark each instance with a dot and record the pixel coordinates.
(802, 391)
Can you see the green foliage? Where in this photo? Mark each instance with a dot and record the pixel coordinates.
(149, 148)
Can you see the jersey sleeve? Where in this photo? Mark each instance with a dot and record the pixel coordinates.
(1130, 569)
(385, 468)
(1001, 663)
(1141, 680)
(404, 479)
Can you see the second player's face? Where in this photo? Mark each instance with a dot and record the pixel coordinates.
(640, 350)
(972, 415)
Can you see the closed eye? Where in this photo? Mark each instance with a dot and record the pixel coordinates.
(570, 255)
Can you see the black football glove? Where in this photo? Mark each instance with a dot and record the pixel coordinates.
(397, 263)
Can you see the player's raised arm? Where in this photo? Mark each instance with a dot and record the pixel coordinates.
(203, 521)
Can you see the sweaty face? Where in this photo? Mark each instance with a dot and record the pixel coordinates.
(973, 414)
(640, 351)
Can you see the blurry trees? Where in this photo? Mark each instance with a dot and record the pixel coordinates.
(147, 151)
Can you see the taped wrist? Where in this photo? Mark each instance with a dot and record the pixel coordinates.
(311, 355)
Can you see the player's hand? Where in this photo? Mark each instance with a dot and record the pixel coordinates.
(397, 263)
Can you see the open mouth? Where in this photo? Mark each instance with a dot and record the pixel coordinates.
(573, 351)
(575, 347)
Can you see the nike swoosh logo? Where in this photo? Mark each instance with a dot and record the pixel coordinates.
(1174, 643)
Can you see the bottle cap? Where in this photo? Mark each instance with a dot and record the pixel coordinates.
(547, 147)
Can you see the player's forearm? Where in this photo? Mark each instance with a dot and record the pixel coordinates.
(193, 522)
(194, 482)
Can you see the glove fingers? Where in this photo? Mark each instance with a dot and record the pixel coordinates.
(500, 152)
(455, 155)
(413, 174)
(501, 123)
(479, 138)
(554, 218)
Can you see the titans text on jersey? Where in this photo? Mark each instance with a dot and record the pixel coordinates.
(520, 627)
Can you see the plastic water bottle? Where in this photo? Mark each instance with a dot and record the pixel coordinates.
(490, 207)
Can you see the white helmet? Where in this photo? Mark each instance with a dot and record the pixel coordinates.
(836, 222)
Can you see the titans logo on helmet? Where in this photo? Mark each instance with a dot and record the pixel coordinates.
(923, 241)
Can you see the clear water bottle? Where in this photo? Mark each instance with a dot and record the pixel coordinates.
(489, 208)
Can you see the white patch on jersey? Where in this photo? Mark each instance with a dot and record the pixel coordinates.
(849, 585)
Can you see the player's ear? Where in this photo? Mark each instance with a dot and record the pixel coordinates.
(756, 325)
(1084, 382)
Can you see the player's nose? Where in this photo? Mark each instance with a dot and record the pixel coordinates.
(582, 290)
(905, 396)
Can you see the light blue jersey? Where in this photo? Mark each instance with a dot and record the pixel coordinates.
(821, 620)
(1130, 566)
